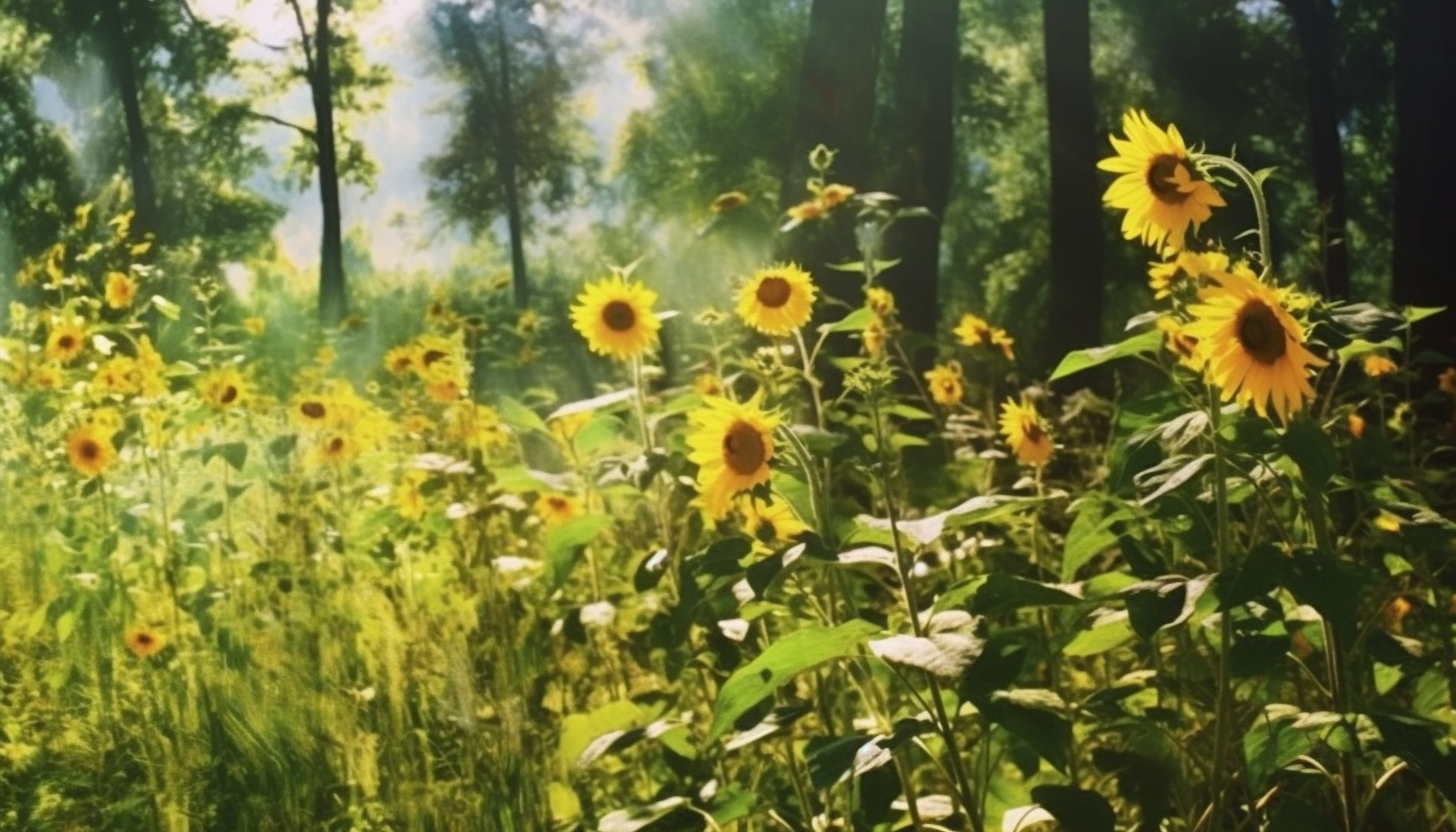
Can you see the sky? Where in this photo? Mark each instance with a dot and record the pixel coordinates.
(412, 125)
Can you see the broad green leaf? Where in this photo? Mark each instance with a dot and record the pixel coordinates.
(565, 542)
(853, 322)
(1090, 535)
(1272, 743)
(780, 663)
(578, 731)
(1109, 630)
(1079, 360)
(1313, 451)
(1004, 593)
(1187, 471)
(234, 453)
(1076, 810)
(640, 817)
(927, 530)
(1416, 314)
(519, 416)
(594, 403)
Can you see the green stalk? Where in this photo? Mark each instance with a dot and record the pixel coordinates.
(1261, 207)
(1335, 664)
(1223, 714)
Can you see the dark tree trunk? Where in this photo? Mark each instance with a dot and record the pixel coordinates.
(121, 64)
(924, 96)
(1425, 167)
(1314, 25)
(836, 109)
(506, 159)
(1075, 299)
(333, 293)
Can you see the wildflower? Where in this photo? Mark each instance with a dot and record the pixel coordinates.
(144, 641)
(409, 501)
(1448, 381)
(255, 326)
(527, 323)
(1025, 432)
(555, 509)
(476, 425)
(338, 448)
(1357, 425)
(47, 377)
(1180, 343)
(1387, 522)
(223, 388)
(731, 201)
(835, 195)
(1253, 348)
(1376, 365)
(117, 376)
(806, 211)
(972, 331)
(708, 384)
(120, 290)
(777, 300)
(311, 411)
(90, 450)
(1186, 267)
(1395, 612)
(615, 317)
(770, 522)
(732, 445)
(151, 368)
(1158, 186)
(402, 359)
(65, 342)
(946, 386)
(880, 301)
(1000, 338)
(875, 337)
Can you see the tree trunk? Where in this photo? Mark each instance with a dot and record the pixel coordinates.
(507, 157)
(924, 96)
(1314, 25)
(121, 65)
(1075, 313)
(333, 293)
(1425, 168)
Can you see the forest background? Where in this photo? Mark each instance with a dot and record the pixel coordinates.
(353, 146)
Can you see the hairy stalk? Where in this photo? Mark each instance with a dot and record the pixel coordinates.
(1261, 206)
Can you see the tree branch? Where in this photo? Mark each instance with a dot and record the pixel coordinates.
(303, 38)
(307, 133)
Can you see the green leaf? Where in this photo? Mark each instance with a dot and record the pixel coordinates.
(1079, 360)
(1185, 472)
(1330, 585)
(1004, 593)
(1076, 810)
(519, 416)
(1416, 314)
(1090, 535)
(780, 663)
(831, 759)
(1423, 745)
(927, 530)
(1110, 629)
(1036, 717)
(853, 322)
(637, 818)
(565, 542)
(1313, 451)
(1273, 742)
(234, 453)
(595, 403)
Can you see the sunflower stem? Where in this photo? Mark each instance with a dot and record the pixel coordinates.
(1261, 206)
(1223, 713)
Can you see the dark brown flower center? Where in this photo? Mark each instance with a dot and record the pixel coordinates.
(1260, 332)
(743, 449)
(145, 640)
(1161, 181)
(336, 445)
(313, 410)
(89, 450)
(431, 356)
(774, 292)
(229, 395)
(619, 316)
(66, 342)
(1032, 430)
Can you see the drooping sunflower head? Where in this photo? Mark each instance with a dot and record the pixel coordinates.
(64, 342)
(770, 522)
(615, 317)
(402, 360)
(880, 301)
(1253, 348)
(1376, 365)
(90, 450)
(732, 445)
(708, 384)
(777, 300)
(875, 337)
(1025, 432)
(1158, 186)
(947, 387)
(1180, 343)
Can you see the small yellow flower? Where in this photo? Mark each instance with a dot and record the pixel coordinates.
(972, 331)
(1387, 522)
(875, 338)
(807, 211)
(1448, 381)
(835, 195)
(880, 301)
(732, 445)
(477, 426)
(255, 326)
(47, 377)
(1357, 425)
(65, 342)
(311, 411)
(402, 359)
(615, 317)
(555, 509)
(338, 449)
(117, 376)
(151, 367)
(144, 641)
(90, 450)
(1025, 432)
(326, 355)
(1000, 338)
(945, 383)
(527, 323)
(777, 300)
(409, 501)
(120, 290)
(223, 388)
(708, 384)
(1395, 612)
(1376, 365)
(770, 523)
(1181, 344)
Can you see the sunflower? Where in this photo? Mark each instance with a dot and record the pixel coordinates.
(338, 448)
(972, 330)
(90, 450)
(1180, 343)
(732, 445)
(1254, 349)
(223, 388)
(401, 360)
(946, 386)
(708, 384)
(120, 290)
(777, 300)
(409, 500)
(1378, 365)
(806, 211)
(835, 195)
(770, 522)
(1025, 432)
(1187, 267)
(65, 342)
(555, 509)
(117, 376)
(615, 317)
(144, 641)
(1001, 338)
(1158, 186)
(880, 301)
(311, 411)
(875, 337)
